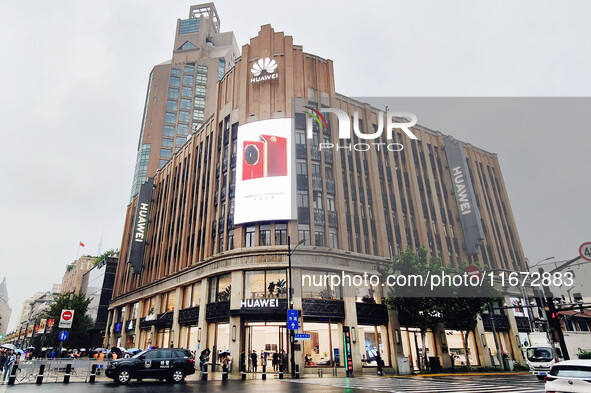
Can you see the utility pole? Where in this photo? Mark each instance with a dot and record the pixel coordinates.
(291, 332)
(553, 319)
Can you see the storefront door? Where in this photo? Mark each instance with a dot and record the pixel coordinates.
(264, 338)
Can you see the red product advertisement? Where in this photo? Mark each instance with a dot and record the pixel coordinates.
(265, 158)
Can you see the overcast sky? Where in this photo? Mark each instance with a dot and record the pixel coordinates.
(74, 78)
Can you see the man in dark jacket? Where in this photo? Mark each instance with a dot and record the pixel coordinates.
(253, 358)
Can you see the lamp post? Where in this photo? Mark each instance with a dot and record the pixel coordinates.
(291, 332)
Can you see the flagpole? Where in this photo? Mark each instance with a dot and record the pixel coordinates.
(77, 251)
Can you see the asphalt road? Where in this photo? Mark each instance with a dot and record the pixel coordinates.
(455, 384)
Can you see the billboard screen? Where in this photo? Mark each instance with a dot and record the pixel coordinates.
(264, 172)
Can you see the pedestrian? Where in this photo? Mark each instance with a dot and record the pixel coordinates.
(243, 362)
(379, 362)
(203, 359)
(275, 361)
(253, 358)
(284, 360)
(52, 354)
(2, 359)
(10, 360)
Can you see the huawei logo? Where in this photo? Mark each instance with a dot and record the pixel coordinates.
(267, 65)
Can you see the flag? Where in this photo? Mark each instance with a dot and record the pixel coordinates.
(82, 244)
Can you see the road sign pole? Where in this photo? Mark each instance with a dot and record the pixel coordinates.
(291, 332)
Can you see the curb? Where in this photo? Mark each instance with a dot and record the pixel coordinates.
(459, 374)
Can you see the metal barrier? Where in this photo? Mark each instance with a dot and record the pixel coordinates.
(56, 370)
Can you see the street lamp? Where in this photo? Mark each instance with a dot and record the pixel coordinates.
(291, 332)
(545, 259)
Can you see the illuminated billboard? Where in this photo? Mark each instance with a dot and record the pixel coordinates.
(264, 172)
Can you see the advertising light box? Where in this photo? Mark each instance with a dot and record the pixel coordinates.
(264, 172)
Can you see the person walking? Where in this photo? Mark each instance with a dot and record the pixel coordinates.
(9, 363)
(2, 359)
(275, 361)
(203, 359)
(284, 360)
(380, 363)
(253, 358)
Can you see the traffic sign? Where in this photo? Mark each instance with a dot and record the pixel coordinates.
(66, 319)
(585, 251)
(292, 320)
(473, 271)
(63, 336)
(302, 336)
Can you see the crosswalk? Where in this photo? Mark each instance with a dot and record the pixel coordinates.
(477, 384)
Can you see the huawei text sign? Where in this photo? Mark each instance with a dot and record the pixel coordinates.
(392, 121)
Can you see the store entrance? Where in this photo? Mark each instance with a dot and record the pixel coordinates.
(266, 338)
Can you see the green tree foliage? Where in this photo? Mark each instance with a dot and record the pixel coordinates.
(458, 307)
(81, 323)
(109, 253)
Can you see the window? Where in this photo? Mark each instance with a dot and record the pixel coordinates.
(192, 296)
(302, 198)
(167, 153)
(200, 90)
(187, 91)
(319, 236)
(189, 70)
(185, 103)
(189, 26)
(175, 71)
(221, 68)
(175, 81)
(265, 284)
(180, 140)
(317, 200)
(301, 168)
(300, 137)
(168, 130)
(231, 239)
(188, 80)
(280, 234)
(173, 93)
(167, 142)
(171, 105)
(199, 102)
(202, 69)
(184, 116)
(161, 163)
(265, 235)
(249, 236)
(333, 238)
(183, 129)
(328, 172)
(315, 287)
(304, 233)
(330, 203)
(170, 117)
(325, 346)
(316, 170)
(220, 289)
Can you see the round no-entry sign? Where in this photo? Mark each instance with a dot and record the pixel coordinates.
(473, 271)
(67, 315)
(585, 251)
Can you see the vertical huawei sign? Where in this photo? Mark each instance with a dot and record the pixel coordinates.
(140, 227)
(264, 172)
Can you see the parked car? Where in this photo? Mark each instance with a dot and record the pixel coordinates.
(569, 376)
(172, 364)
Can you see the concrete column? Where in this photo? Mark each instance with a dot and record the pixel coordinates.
(112, 338)
(296, 276)
(483, 351)
(351, 321)
(236, 296)
(396, 349)
(124, 326)
(202, 337)
(441, 345)
(107, 330)
(176, 328)
(140, 309)
(514, 333)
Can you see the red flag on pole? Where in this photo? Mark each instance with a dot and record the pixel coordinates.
(82, 244)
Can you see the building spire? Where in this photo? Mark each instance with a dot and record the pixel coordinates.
(3, 290)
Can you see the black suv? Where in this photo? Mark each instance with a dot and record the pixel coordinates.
(172, 364)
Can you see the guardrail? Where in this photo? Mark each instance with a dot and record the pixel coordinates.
(55, 370)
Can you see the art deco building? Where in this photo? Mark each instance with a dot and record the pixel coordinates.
(5, 310)
(204, 254)
(178, 97)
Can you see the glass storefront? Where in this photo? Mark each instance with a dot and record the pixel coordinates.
(504, 344)
(265, 284)
(455, 343)
(412, 344)
(373, 339)
(265, 338)
(325, 346)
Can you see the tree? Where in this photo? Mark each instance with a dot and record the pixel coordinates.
(80, 324)
(423, 312)
(109, 253)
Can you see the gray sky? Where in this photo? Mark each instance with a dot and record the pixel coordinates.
(75, 77)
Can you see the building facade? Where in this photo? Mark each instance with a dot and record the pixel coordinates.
(178, 96)
(97, 285)
(5, 310)
(72, 279)
(214, 268)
